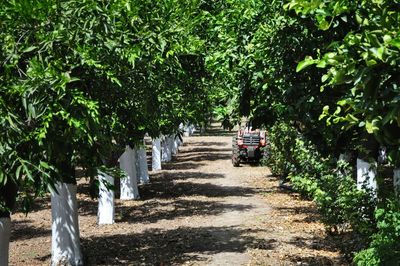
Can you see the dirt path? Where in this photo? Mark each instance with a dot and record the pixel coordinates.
(198, 211)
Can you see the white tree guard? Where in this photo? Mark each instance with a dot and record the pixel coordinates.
(396, 181)
(156, 155)
(143, 171)
(175, 145)
(382, 155)
(106, 210)
(366, 176)
(180, 141)
(5, 233)
(129, 187)
(65, 242)
(191, 130)
(186, 132)
(166, 150)
(171, 144)
(181, 129)
(344, 157)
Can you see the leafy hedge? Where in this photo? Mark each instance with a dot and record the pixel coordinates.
(331, 184)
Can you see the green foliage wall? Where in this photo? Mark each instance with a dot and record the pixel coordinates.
(81, 79)
(322, 76)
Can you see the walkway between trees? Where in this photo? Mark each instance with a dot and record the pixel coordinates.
(199, 210)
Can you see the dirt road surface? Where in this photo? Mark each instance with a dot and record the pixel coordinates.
(199, 210)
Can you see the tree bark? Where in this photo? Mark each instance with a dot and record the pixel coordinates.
(66, 249)
(396, 181)
(129, 188)
(156, 155)
(106, 210)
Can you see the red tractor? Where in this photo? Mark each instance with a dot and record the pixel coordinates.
(247, 146)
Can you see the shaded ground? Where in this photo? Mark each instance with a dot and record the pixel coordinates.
(198, 211)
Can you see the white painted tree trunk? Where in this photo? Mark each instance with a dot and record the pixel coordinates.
(175, 145)
(166, 150)
(180, 141)
(366, 176)
(127, 163)
(5, 233)
(171, 144)
(156, 155)
(181, 129)
(344, 157)
(65, 242)
(143, 171)
(186, 132)
(396, 181)
(191, 130)
(382, 155)
(106, 210)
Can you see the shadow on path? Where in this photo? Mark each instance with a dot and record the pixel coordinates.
(22, 230)
(167, 189)
(154, 211)
(172, 247)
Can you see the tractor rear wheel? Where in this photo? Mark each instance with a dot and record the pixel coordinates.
(235, 152)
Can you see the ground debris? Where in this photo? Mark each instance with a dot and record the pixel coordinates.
(199, 210)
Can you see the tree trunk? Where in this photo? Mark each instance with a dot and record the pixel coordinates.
(136, 160)
(186, 132)
(106, 210)
(396, 181)
(180, 137)
(191, 130)
(143, 171)
(65, 240)
(8, 195)
(382, 155)
(129, 188)
(344, 157)
(171, 144)
(166, 150)
(180, 142)
(174, 141)
(5, 233)
(156, 155)
(366, 176)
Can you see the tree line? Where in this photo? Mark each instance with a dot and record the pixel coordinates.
(80, 80)
(323, 78)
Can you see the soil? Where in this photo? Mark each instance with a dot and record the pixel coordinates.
(199, 210)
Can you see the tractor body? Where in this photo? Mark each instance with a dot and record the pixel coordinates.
(247, 146)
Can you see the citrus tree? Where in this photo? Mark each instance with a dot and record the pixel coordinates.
(80, 80)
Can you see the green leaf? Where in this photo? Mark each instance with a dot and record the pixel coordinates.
(371, 127)
(308, 61)
(29, 49)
